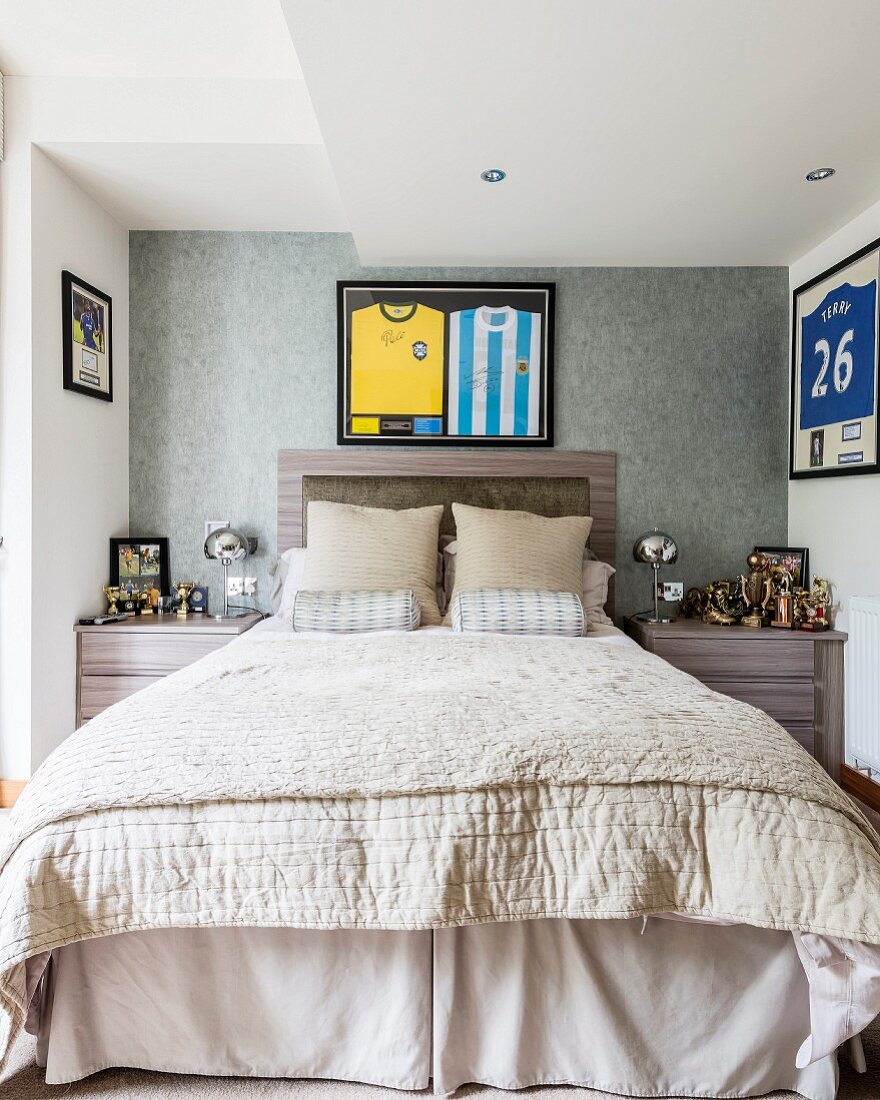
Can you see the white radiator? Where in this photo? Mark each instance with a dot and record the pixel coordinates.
(863, 684)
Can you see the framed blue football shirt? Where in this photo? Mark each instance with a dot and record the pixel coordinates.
(834, 390)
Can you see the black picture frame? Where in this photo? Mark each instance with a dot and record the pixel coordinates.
(825, 437)
(777, 554)
(92, 375)
(453, 296)
(138, 543)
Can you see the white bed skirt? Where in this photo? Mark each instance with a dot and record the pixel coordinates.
(681, 1009)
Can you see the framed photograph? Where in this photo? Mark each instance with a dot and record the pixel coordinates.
(834, 369)
(140, 565)
(796, 559)
(88, 338)
(445, 364)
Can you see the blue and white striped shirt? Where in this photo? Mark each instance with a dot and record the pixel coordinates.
(494, 372)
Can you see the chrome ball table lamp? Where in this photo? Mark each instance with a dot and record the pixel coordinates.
(227, 546)
(655, 548)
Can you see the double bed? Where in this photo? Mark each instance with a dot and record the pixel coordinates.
(426, 859)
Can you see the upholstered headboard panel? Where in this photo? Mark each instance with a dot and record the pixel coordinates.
(550, 483)
(546, 496)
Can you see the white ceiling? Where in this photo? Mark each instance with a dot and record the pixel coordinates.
(173, 114)
(247, 187)
(633, 132)
(158, 38)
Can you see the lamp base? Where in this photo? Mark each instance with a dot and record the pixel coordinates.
(230, 615)
(652, 619)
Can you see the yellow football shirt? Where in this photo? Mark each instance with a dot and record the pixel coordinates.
(397, 360)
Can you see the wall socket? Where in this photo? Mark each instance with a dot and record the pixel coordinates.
(671, 590)
(241, 586)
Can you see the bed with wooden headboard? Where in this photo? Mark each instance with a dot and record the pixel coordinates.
(551, 483)
(407, 857)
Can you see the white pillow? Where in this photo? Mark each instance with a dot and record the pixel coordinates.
(287, 577)
(595, 577)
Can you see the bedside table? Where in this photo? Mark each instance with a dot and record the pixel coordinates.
(118, 659)
(794, 676)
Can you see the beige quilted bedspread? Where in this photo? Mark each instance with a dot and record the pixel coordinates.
(415, 781)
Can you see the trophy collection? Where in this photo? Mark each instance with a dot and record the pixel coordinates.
(140, 584)
(765, 596)
(127, 601)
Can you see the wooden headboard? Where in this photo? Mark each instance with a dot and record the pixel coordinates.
(548, 482)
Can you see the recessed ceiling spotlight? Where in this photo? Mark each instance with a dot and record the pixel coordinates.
(493, 175)
(819, 174)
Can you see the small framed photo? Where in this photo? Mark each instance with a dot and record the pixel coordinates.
(834, 369)
(87, 338)
(817, 447)
(140, 565)
(796, 559)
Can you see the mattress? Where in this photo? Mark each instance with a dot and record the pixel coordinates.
(664, 1008)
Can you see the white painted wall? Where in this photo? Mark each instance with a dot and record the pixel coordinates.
(63, 457)
(15, 442)
(838, 518)
(80, 445)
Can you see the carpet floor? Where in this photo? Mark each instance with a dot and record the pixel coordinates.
(23, 1081)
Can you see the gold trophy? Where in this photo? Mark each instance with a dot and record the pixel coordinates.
(183, 589)
(782, 583)
(814, 606)
(112, 592)
(756, 591)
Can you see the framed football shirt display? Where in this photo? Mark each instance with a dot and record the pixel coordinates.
(834, 369)
(445, 363)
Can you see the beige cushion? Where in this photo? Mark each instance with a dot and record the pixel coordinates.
(498, 549)
(596, 575)
(356, 549)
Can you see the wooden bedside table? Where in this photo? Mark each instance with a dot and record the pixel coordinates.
(118, 659)
(794, 676)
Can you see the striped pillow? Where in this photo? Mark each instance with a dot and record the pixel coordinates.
(517, 611)
(355, 612)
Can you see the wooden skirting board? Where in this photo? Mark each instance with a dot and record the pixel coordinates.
(865, 789)
(10, 789)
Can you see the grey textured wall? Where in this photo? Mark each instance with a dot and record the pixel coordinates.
(681, 371)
